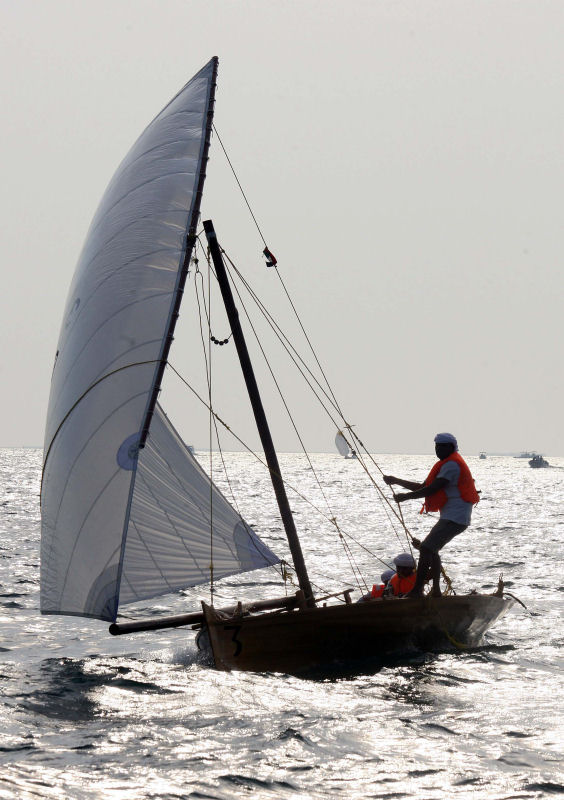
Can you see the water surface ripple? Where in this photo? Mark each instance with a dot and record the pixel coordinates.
(85, 715)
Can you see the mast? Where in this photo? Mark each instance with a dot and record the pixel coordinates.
(260, 416)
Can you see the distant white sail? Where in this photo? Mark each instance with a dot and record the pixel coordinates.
(117, 521)
(342, 445)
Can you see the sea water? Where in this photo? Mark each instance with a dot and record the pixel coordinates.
(85, 715)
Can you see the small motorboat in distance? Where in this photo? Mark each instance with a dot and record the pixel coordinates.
(538, 461)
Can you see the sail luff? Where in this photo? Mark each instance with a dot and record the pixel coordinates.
(183, 271)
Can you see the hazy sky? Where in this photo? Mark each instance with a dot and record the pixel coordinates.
(404, 159)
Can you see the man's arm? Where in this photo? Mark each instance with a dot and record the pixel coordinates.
(412, 485)
(423, 491)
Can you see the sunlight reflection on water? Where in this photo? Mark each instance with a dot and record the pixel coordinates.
(88, 716)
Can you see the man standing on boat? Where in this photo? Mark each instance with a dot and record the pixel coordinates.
(449, 488)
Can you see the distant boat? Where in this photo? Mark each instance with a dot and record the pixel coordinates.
(343, 446)
(538, 461)
(483, 455)
(526, 454)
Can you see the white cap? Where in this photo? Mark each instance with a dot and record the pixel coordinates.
(386, 575)
(404, 560)
(446, 438)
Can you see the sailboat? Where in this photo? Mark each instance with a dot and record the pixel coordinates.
(343, 446)
(127, 511)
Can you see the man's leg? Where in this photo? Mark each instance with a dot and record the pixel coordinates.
(425, 561)
(436, 574)
(439, 535)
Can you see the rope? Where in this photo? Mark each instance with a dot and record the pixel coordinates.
(207, 359)
(336, 404)
(239, 185)
(332, 399)
(207, 308)
(354, 567)
(260, 460)
(291, 351)
(210, 433)
(350, 556)
(213, 591)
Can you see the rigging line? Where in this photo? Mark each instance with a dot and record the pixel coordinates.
(266, 315)
(337, 406)
(333, 400)
(388, 507)
(210, 427)
(212, 415)
(239, 185)
(387, 504)
(333, 519)
(289, 350)
(210, 407)
(360, 447)
(336, 403)
(397, 512)
(259, 459)
(408, 534)
(286, 343)
(354, 566)
(207, 356)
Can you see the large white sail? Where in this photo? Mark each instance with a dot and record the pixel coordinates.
(108, 531)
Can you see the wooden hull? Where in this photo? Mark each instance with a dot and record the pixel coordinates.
(313, 638)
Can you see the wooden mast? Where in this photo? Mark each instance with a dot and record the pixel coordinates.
(260, 417)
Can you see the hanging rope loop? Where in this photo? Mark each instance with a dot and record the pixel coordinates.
(220, 341)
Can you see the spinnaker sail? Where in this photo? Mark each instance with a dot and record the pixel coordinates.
(126, 516)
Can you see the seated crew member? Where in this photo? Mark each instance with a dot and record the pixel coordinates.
(449, 488)
(379, 589)
(403, 581)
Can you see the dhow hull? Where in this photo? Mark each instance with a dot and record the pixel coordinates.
(313, 638)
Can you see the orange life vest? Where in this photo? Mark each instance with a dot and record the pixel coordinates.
(397, 584)
(466, 485)
(402, 585)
